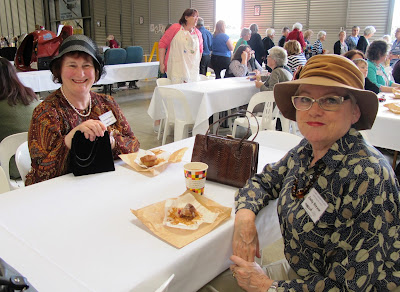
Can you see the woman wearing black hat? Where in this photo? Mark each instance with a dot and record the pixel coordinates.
(73, 108)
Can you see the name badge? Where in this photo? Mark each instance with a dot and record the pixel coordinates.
(314, 205)
(108, 118)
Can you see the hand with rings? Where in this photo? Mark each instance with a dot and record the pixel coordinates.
(249, 275)
(90, 128)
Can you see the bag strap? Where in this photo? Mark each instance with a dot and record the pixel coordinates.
(237, 114)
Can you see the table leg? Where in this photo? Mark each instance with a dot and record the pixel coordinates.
(215, 118)
(394, 159)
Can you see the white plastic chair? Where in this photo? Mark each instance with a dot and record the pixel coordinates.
(277, 139)
(223, 71)
(164, 286)
(163, 81)
(177, 112)
(4, 184)
(266, 121)
(8, 148)
(23, 160)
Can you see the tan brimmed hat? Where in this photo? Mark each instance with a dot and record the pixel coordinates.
(335, 71)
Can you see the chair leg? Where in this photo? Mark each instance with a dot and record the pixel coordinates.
(160, 129)
(395, 159)
(166, 130)
(234, 129)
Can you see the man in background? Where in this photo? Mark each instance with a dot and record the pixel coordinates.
(282, 40)
(352, 39)
(207, 42)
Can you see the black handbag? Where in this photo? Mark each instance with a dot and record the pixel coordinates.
(88, 157)
(11, 280)
(231, 161)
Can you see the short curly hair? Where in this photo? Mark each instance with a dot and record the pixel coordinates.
(377, 49)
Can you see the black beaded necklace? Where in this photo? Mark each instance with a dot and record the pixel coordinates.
(299, 194)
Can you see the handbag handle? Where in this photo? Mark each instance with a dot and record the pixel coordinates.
(240, 113)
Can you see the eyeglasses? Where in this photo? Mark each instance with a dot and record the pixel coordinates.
(328, 103)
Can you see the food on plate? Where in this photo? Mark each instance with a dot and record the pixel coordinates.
(157, 151)
(393, 107)
(186, 215)
(188, 212)
(149, 160)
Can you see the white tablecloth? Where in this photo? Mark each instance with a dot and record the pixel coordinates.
(207, 97)
(78, 234)
(385, 132)
(42, 80)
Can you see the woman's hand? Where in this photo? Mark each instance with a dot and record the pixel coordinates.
(245, 238)
(259, 83)
(90, 128)
(162, 68)
(249, 275)
(244, 57)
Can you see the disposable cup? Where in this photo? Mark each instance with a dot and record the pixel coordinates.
(252, 76)
(195, 176)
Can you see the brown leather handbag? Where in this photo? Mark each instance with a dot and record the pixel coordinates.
(231, 161)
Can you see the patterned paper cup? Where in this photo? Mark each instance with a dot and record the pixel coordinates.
(252, 76)
(195, 176)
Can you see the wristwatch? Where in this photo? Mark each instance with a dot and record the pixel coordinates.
(273, 287)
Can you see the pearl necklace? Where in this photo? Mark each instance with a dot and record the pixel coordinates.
(74, 108)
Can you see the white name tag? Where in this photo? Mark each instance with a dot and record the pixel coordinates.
(108, 118)
(314, 205)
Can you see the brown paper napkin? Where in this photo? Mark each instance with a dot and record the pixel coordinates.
(393, 107)
(157, 169)
(152, 216)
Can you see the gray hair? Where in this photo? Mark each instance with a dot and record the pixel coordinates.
(270, 31)
(279, 55)
(355, 26)
(341, 32)
(200, 21)
(284, 29)
(297, 25)
(369, 30)
(245, 31)
(321, 34)
(254, 28)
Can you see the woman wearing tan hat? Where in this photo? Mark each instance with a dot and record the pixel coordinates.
(74, 107)
(338, 198)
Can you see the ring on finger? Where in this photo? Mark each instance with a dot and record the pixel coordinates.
(234, 274)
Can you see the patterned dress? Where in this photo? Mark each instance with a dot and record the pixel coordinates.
(54, 118)
(355, 245)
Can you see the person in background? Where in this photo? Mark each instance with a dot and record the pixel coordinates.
(111, 42)
(363, 41)
(222, 47)
(297, 34)
(352, 39)
(387, 38)
(377, 53)
(180, 49)
(207, 46)
(17, 103)
(318, 49)
(74, 107)
(307, 38)
(362, 64)
(241, 64)
(268, 43)
(395, 49)
(354, 54)
(295, 56)
(277, 61)
(285, 31)
(245, 36)
(396, 72)
(256, 43)
(340, 47)
(3, 42)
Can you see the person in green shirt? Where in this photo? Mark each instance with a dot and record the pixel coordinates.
(244, 37)
(17, 103)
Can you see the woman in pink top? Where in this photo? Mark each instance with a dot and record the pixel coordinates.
(181, 48)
